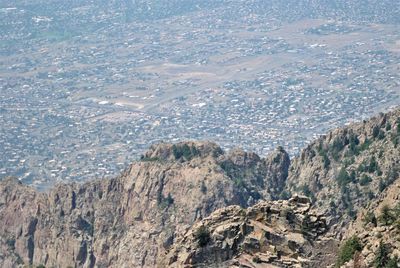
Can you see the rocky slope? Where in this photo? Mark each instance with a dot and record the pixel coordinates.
(132, 220)
(275, 233)
(377, 228)
(347, 168)
(193, 205)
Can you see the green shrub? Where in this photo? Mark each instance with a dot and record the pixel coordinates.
(381, 135)
(336, 147)
(386, 217)
(375, 131)
(373, 165)
(353, 143)
(150, 159)
(347, 250)
(365, 145)
(203, 187)
(285, 195)
(256, 259)
(370, 195)
(396, 210)
(392, 263)
(343, 178)
(202, 235)
(11, 243)
(382, 185)
(305, 225)
(184, 151)
(382, 255)
(165, 202)
(365, 180)
(370, 218)
(307, 192)
(327, 162)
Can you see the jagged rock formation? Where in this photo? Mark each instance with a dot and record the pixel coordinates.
(347, 168)
(269, 234)
(133, 219)
(147, 216)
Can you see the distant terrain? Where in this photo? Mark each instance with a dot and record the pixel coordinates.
(87, 86)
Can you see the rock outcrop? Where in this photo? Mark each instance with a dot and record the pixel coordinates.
(131, 220)
(268, 234)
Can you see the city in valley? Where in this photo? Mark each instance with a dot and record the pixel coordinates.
(87, 87)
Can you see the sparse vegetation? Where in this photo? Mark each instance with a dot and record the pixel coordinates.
(185, 151)
(365, 145)
(371, 166)
(348, 249)
(150, 159)
(290, 216)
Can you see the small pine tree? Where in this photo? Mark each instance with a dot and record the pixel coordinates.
(202, 236)
(375, 131)
(327, 162)
(347, 250)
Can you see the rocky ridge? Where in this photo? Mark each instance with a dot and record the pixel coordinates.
(133, 219)
(156, 211)
(347, 168)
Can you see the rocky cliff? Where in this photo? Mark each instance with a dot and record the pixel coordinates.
(131, 220)
(193, 205)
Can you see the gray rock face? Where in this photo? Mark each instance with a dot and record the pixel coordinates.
(130, 220)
